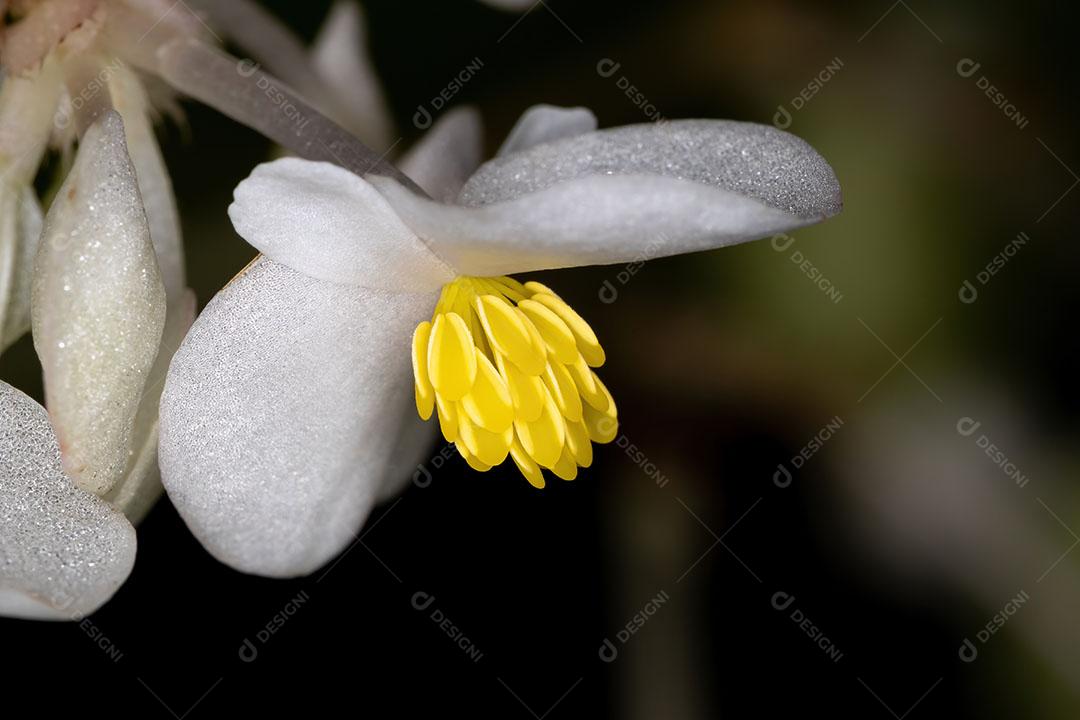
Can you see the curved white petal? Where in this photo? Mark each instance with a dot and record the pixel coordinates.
(447, 154)
(332, 225)
(28, 105)
(63, 551)
(141, 486)
(131, 101)
(341, 57)
(20, 233)
(625, 195)
(547, 123)
(591, 221)
(758, 161)
(415, 444)
(98, 307)
(281, 412)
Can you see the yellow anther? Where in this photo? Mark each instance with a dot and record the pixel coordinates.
(451, 357)
(508, 333)
(526, 391)
(557, 336)
(534, 287)
(562, 388)
(526, 465)
(539, 346)
(577, 440)
(565, 468)
(471, 459)
(425, 393)
(448, 421)
(488, 403)
(583, 334)
(543, 439)
(488, 447)
(507, 368)
(584, 379)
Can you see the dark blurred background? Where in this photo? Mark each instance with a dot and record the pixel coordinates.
(793, 519)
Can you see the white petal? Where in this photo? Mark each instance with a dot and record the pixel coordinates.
(63, 551)
(547, 123)
(330, 224)
(447, 154)
(27, 107)
(141, 486)
(415, 444)
(20, 233)
(341, 57)
(131, 101)
(98, 307)
(625, 195)
(280, 415)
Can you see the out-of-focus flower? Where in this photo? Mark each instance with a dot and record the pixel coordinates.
(101, 278)
(286, 413)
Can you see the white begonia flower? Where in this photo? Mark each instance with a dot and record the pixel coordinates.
(98, 307)
(287, 411)
(101, 277)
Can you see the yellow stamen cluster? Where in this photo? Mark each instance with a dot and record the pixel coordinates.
(508, 368)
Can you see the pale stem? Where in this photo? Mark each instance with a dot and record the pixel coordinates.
(272, 43)
(242, 91)
(88, 91)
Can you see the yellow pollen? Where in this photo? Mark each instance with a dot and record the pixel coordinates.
(508, 370)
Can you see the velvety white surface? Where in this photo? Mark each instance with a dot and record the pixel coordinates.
(63, 551)
(330, 224)
(98, 308)
(281, 413)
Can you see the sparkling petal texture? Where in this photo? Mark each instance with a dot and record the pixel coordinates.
(130, 99)
(332, 225)
(63, 551)
(281, 413)
(595, 220)
(757, 161)
(447, 154)
(547, 123)
(98, 308)
(136, 494)
(20, 233)
(624, 195)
